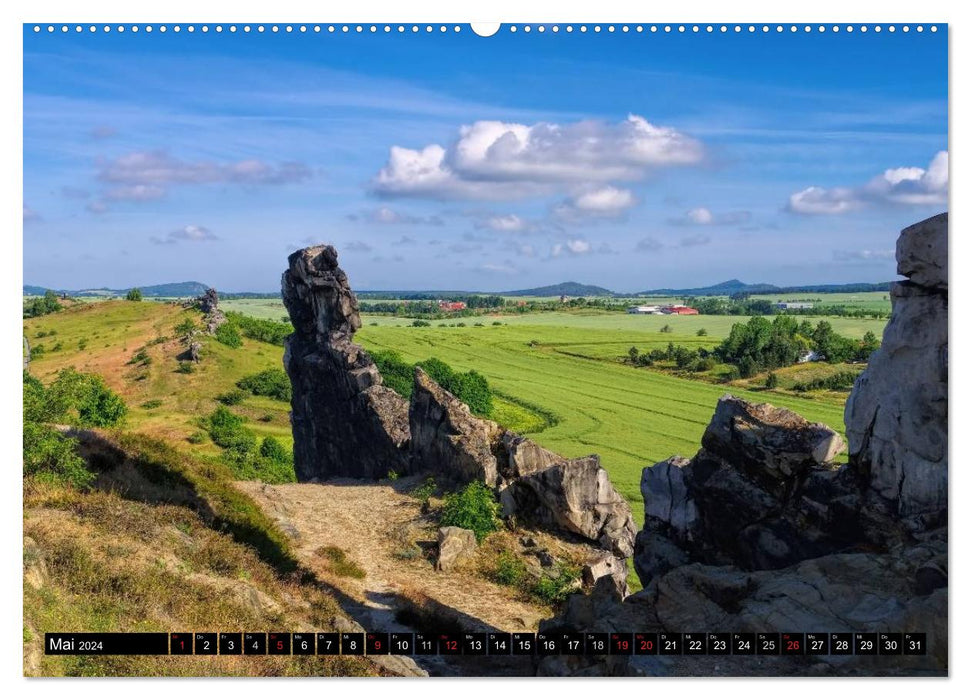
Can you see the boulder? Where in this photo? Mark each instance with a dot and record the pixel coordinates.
(345, 421)
(455, 545)
(446, 439)
(896, 416)
(922, 253)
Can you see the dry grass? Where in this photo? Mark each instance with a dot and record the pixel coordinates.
(125, 560)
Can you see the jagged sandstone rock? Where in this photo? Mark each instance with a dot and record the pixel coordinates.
(761, 532)
(455, 545)
(896, 416)
(446, 439)
(761, 493)
(535, 485)
(345, 421)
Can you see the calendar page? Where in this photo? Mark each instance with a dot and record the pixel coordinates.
(446, 349)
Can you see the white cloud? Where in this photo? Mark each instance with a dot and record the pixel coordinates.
(602, 202)
(499, 160)
(143, 175)
(191, 234)
(509, 223)
(908, 186)
(863, 255)
(386, 215)
(30, 214)
(574, 246)
(702, 216)
(505, 268)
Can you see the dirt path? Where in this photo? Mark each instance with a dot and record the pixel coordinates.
(365, 520)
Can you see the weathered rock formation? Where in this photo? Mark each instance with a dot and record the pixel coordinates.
(762, 532)
(208, 303)
(446, 439)
(762, 493)
(896, 417)
(455, 545)
(345, 421)
(535, 485)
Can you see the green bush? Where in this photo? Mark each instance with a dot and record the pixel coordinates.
(396, 373)
(264, 330)
(41, 306)
(73, 397)
(509, 570)
(134, 294)
(273, 450)
(701, 332)
(553, 590)
(186, 368)
(152, 403)
(227, 430)
(771, 381)
(185, 327)
(418, 323)
(49, 455)
(425, 491)
(232, 397)
(273, 383)
(228, 334)
(473, 508)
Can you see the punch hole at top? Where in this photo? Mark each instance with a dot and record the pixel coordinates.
(485, 28)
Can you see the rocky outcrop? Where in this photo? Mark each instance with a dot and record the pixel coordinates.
(446, 439)
(896, 417)
(762, 493)
(535, 486)
(345, 421)
(455, 545)
(213, 317)
(762, 531)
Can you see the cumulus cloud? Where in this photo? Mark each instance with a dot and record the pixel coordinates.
(574, 246)
(509, 223)
(143, 175)
(702, 216)
(189, 234)
(386, 215)
(601, 202)
(907, 186)
(863, 255)
(499, 160)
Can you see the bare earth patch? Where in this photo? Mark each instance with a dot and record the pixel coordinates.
(368, 521)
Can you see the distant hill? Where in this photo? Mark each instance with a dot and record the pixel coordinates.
(570, 289)
(169, 289)
(738, 287)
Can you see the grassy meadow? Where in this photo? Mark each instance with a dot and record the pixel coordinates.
(559, 375)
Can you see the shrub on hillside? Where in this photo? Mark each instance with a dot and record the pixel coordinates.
(228, 334)
(227, 430)
(232, 397)
(270, 382)
(473, 508)
(273, 450)
(134, 294)
(73, 397)
(49, 455)
(264, 330)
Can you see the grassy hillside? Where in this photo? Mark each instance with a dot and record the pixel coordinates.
(565, 365)
(162, 542)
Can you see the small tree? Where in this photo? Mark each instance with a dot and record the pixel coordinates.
(701, 332)
(134, 294)
(771, 381)
(633, 354)
(666, 328)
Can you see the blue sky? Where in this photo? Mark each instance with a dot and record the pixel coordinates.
(451, 161)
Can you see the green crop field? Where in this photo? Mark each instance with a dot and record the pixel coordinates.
(560, 364)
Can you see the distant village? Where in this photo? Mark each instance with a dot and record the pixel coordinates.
(680, 310)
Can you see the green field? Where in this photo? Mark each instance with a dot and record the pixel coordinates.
(631, 417)
(566, 365)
